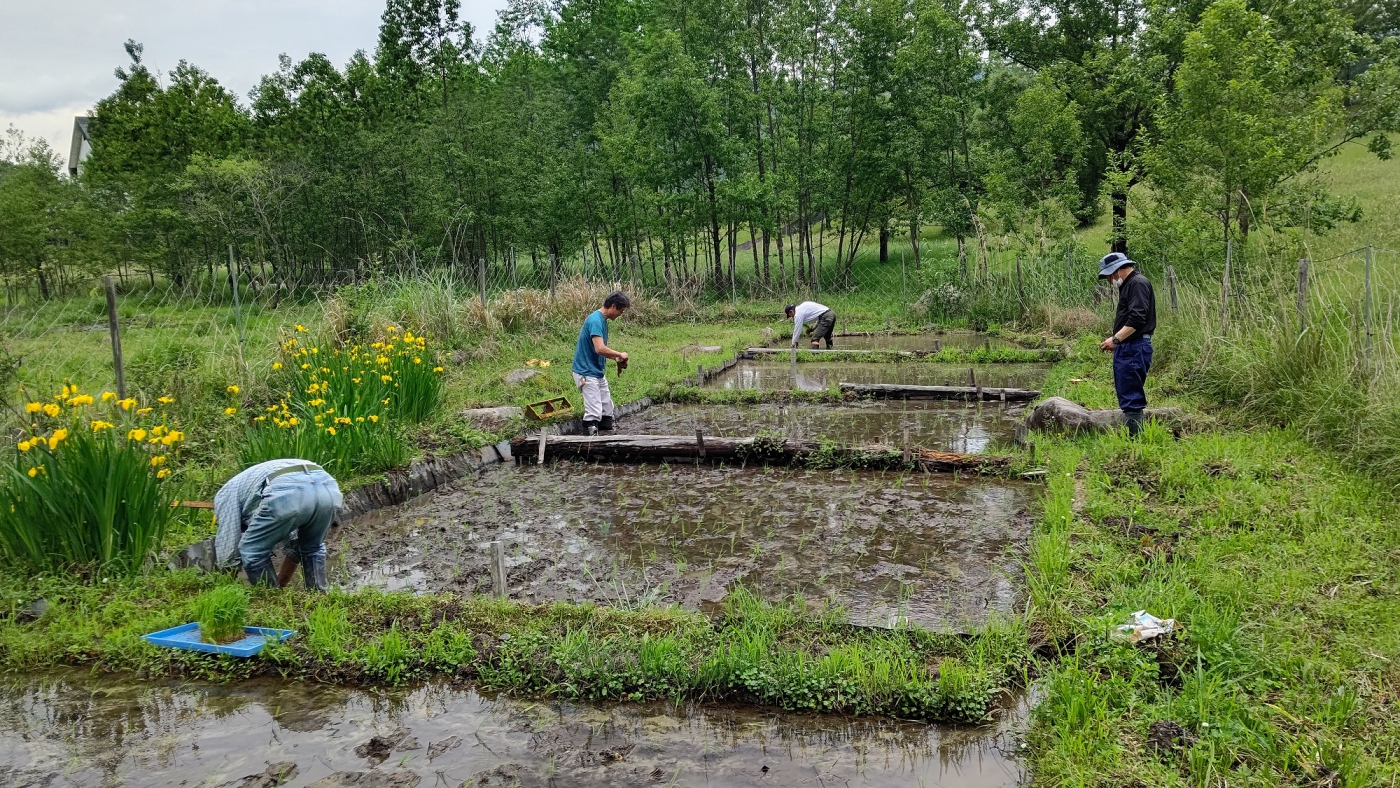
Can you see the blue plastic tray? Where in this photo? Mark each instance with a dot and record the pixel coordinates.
(186, 636)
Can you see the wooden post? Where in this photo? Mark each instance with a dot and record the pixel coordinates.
(498, 570)
(938, 346)
(699, 374)
(114, 328)
(907, 454)
(1171, 283)
(699, 444)
(1302, 294)
(971, 377)
(1368, 302)
(237, 309)
(540, 461)
(1225, 287)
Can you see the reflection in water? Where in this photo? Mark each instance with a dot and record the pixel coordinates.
(80, 730)
(822, 375)
(942, 425)
(938, 550)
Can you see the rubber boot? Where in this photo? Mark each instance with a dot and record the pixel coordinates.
(816, 345)
(590, 427)
(261, 573)
(1133, 418)
(606, 425)
(313, 569)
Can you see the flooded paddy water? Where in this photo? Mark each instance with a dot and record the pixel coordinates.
(934, 550)
(74, 729)
(968, 427)
(823, 375)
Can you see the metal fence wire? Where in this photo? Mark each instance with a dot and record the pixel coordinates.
(229, 316)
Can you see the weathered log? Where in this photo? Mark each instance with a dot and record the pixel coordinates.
(763, 449)
(1059, 415)
(900, 391)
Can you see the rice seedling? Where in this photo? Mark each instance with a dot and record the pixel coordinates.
(222, 612)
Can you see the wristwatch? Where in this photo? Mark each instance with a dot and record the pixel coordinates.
(1114, 339)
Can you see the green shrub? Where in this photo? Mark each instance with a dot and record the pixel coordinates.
(87, 484)
(222, 613)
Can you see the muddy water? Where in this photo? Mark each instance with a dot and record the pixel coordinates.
(822, 375)
(945, 426)
(80, 730)
(932, 549)
(929, 341)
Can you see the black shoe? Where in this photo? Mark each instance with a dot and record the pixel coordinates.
(1134, 421)
(606, 425)
(590, 428)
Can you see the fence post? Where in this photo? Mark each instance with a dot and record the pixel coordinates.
(1171, 284)
(514, 277)
(1368, 302)
(552, 266)
(1225, 286)
(481, 279)
(1302, 294)
(498, 570)
(114, 327)
(237, 308)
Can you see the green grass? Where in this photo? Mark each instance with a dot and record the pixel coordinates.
(1280, 565)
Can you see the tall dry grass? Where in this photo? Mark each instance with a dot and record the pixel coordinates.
(1317, 376)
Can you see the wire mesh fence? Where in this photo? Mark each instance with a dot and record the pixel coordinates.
(229, 317)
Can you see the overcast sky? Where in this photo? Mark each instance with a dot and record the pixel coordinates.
(57, 58)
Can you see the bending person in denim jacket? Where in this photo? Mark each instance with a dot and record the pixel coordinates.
(275, 501)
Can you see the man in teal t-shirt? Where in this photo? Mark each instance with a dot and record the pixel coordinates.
(590, 360)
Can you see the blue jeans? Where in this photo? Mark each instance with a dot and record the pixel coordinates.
(1131, 360)
(305, 502)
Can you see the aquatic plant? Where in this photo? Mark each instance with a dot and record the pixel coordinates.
(87, 483)
(222, 613)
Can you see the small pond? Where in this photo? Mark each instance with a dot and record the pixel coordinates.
(937, 550)
(945, 426)
(79, 730)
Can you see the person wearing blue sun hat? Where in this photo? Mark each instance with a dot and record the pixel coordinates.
(1131, 341)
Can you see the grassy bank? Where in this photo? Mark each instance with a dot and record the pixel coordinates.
(783, 654)
(1278, 562)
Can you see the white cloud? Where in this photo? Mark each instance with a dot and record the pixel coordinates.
(56, 61)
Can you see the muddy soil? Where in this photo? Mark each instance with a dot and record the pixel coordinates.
(822, 375)
(935, 550)
(963, 340)
(75, 729)
(944, 426)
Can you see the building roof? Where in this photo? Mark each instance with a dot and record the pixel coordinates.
(81, 146)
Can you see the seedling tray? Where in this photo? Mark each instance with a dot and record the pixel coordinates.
(186, 636)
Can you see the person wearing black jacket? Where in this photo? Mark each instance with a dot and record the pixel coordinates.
(1131, 342)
